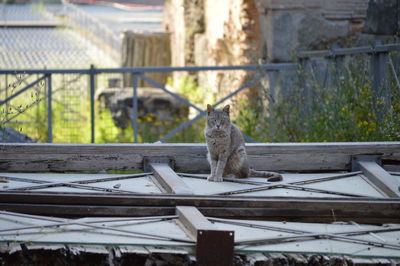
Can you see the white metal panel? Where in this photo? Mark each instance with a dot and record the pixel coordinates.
(322, 246)
(204, 187)
(282, 192)
(262, 236)
(353, 184)
(79, 234)
(302, 185)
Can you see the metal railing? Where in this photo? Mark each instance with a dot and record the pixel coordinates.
(380, 59)
(137, 73)
(380, 66)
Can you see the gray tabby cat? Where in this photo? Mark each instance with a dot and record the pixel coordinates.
(226, 152)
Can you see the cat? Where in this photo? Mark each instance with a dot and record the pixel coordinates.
(226, 149)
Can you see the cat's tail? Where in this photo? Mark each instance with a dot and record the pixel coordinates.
(271, 176)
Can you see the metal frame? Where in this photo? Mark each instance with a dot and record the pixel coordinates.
(56, 222)
(162, 159)
(381, 64)
(172, 182)
(213, 246)
(137, 73)
(364, 210)
(370, 166)
(377, 47)
(75, 184)
(288, 185)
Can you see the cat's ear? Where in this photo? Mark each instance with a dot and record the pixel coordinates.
(226, 109)
(209, 109)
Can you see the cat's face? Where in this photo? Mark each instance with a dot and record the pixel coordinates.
(218, 119)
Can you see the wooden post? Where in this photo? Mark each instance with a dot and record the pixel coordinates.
(213, 246)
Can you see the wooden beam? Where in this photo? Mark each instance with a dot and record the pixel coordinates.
(299, 157)
(169, 180)
(213, 246)
(75, 198)
(269, 214)
(385, 182)
(371, 210)
(193, 220)
(64, 210)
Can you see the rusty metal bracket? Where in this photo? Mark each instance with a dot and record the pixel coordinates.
(214, 247)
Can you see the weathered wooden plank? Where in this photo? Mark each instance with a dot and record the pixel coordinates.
(293, 209)
(362, 204)
(86, 210)
(169, 180)
(188, 157)
(98, 157)
(193, 220)
(276, 214)
(378, 176)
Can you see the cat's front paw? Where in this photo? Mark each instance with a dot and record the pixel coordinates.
(275, 177)
(214, 178)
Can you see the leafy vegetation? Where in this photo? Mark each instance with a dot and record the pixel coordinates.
(345, 108)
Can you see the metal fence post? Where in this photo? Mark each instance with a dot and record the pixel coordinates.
(135, 107)
(49, 109)
(272, 100)
(380, 76)
(6, 96)
(339, 61)
(304, 87)
(92, 91)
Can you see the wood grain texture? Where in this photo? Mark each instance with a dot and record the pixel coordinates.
(298, 157)
(193, 220)
(267, 206)
(169, 180)
(380, 178)
(277, 214)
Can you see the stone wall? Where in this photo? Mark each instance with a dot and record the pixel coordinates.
(208, 32)
(240, 32)
(288, 25)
